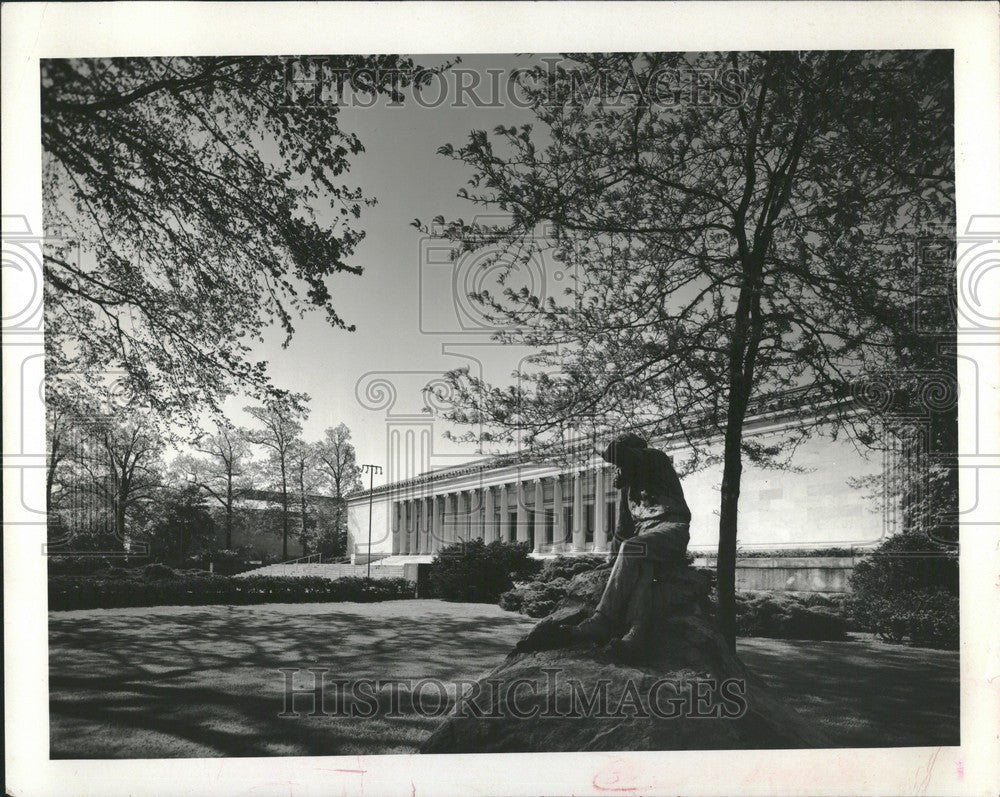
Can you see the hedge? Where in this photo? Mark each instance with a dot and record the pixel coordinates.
(188, 589)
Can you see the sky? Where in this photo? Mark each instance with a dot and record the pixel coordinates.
(403, 305)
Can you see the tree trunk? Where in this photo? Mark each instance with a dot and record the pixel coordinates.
(732, 472)
(302, 500)
(741, 359)
(120, 520)
(284, 514)
(229, 513)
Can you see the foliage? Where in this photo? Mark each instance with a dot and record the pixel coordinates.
(77, 565)
(182, 526)
(760, 553)
(926, 617)
(761, 614)
(187, 589)
(536, 598)
(189, 204)
(474, 572)
(721, 254)
(908, 588)
(787, 616)
(223, 472)
(905, 563)
(565, 567)
(337, 461)
(279, 431)
(108, 473)
(224, 561)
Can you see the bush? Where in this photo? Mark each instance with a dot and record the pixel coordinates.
(568, 566)
(474, 572)
(156, 570)
(78, 592)
(536, 598)
(77, 565)
(786, 616)
(925, 617)
(908, 589)
(224, 561)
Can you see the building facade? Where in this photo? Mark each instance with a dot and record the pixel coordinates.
(567, 510)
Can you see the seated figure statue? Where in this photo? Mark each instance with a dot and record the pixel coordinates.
(653, 528)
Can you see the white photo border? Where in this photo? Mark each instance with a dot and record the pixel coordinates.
(32, 31)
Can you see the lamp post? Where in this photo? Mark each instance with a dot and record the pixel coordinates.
(372, 470)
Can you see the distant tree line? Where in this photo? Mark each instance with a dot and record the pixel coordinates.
(111, 488)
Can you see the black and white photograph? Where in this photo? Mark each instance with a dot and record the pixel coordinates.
(366, 406)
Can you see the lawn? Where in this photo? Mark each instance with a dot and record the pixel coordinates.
(207, 681)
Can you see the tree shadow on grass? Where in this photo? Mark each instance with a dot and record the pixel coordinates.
(864, 693)
(208, 681)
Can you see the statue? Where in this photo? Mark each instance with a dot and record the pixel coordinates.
(652, 529)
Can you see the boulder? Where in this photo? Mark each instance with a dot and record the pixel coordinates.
(687, 691)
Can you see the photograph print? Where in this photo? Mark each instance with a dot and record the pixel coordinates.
(500, 403)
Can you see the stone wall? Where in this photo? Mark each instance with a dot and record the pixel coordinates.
(792, 573)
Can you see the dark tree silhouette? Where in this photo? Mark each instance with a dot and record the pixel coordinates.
(189, 204)
(729, 249)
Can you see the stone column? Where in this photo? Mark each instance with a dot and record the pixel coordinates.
(539, 515)
(502, 534)
(522, 514)
(414, 520)
(600, 510)
(448, 519)
(579, 529)
(461, 516)
(467, 501)
(490, 528)
(424, 546)
(404, 528)
(435, 524)
(395, 527)
(476, 497)
(558, 526)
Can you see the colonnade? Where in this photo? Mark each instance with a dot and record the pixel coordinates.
(524, 509)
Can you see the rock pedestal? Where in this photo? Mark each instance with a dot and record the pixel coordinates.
(688, 691)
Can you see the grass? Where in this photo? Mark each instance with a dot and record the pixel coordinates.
(177, 681)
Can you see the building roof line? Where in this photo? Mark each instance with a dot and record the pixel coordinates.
(778, 407)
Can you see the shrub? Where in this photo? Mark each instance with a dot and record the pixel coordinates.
(224, 561)
(156, 570)
(787, 616)
(568, 566)
(536, 598)
(925, 617)
(77, 592)
(906, 563)
(474, 572)
(77, 565)
(908, 588)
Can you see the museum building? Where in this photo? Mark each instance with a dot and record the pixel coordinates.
(571, 509)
